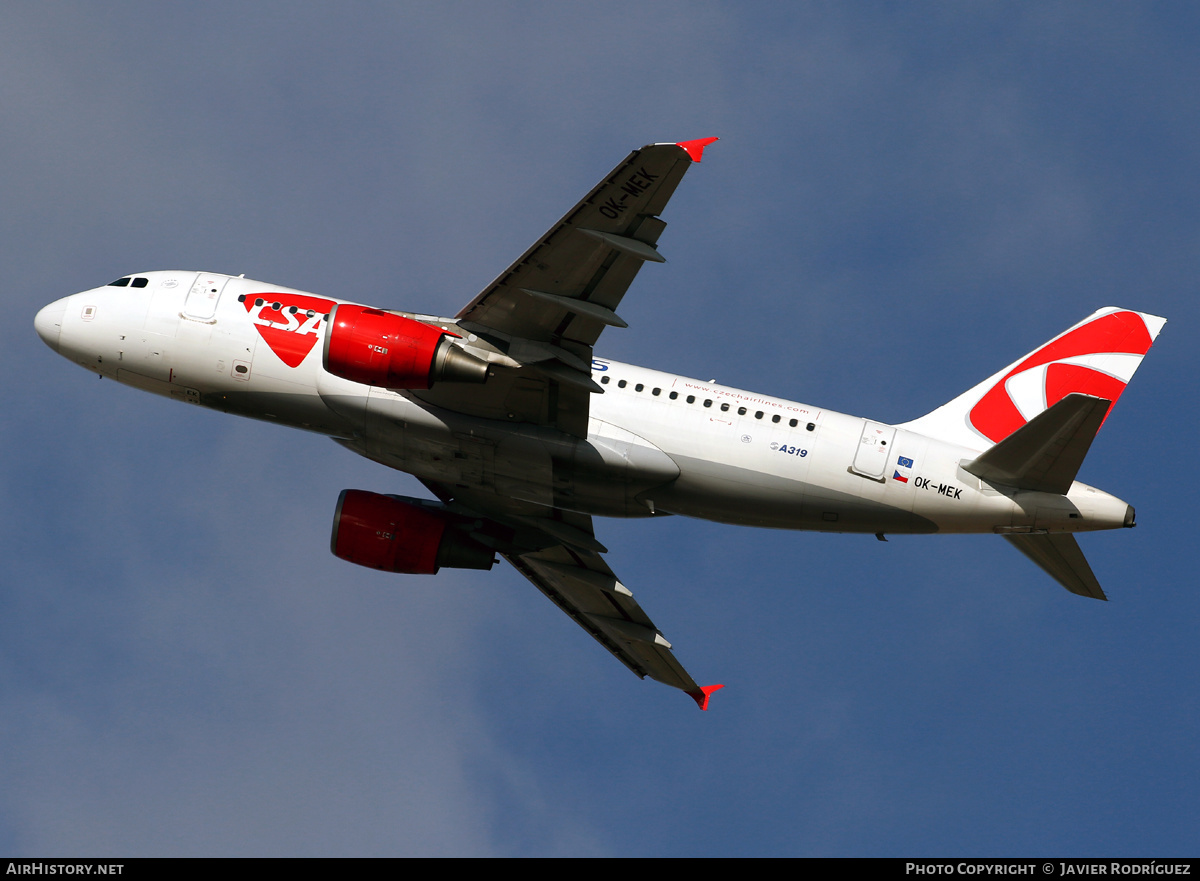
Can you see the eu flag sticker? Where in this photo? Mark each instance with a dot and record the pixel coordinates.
(903, 469)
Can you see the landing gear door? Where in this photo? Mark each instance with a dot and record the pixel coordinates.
(874, 450)
(201, 303)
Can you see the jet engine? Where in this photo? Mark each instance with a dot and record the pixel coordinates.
(390, 351)
(397, 534)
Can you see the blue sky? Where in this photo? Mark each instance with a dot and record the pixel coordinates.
(904, 200)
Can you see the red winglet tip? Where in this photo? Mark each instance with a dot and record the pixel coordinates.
(701, 696)
(695, 149)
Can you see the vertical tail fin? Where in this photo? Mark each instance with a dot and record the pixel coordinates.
(1096, 357)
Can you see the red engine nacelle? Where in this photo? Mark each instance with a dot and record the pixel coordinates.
(390, 351)
(395, 535)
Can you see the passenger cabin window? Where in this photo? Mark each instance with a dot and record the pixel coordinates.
(674, 395)
(725, 407)
(604, 380)
(741, 411)
(656, 392)
(793, 423)
(758, 414)
(775, 418)
(691, 399)
(708, 402)
(622, 384)
(638, 387)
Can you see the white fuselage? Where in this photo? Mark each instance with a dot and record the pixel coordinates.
(657, 443)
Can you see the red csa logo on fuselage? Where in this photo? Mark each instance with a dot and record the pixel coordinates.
(289, 323)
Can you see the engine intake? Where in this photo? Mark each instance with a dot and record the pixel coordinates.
(390, 351)
(397, 534)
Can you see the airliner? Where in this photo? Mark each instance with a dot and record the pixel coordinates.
(522, 435)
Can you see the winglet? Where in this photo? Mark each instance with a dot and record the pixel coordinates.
(695, 149)
(701, 696)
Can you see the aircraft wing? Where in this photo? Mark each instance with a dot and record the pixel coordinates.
(568, 285)
(559, 553)
(545, 312)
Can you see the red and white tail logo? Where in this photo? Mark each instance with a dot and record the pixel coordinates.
(1096, 357)
(289, 323)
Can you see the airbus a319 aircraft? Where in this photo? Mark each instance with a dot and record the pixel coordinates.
(523, 435)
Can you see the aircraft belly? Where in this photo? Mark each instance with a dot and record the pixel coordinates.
(610, 473)
(732, 494)
(602, 475)
(297, 409)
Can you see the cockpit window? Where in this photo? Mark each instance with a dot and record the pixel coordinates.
(139, 282)
(119, 283)
(129, 282)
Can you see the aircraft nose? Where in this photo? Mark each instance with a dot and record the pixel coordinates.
(48, 322)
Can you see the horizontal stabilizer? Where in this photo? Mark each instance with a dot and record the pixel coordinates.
(1044, 454)
(1061, 558)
